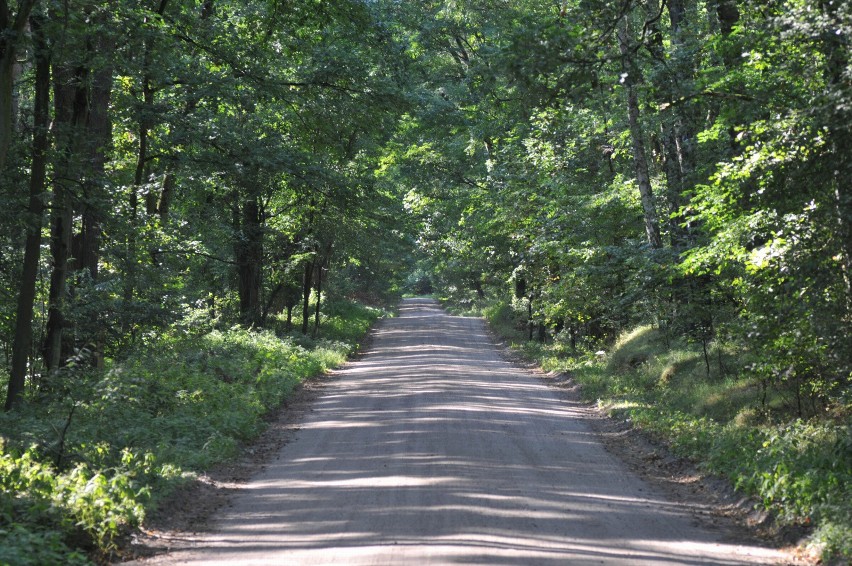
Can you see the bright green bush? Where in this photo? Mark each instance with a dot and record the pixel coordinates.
(99, 503)
(801, 471)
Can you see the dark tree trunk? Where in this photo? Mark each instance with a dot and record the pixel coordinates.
(60, 243)
(166, 195)
(145, 121)
(836, 51)
(520, 288)
(11, 30)
(99, 138)
(530, 322)
(71, 102)
(91, 153)
(271, 303)
(140, 177)
(728, 14)
(843, 207)
(679, 134)
(477, 286)
(249, 254)
(22, 344)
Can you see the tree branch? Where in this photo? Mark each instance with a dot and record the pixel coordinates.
(194, 252)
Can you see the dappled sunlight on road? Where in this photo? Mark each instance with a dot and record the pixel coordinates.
(434, 450)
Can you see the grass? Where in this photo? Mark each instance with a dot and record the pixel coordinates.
(720, 417)
(80, 466)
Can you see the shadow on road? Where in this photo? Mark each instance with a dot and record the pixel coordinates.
(432, 449)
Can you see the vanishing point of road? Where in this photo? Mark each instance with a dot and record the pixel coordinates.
(432, 449)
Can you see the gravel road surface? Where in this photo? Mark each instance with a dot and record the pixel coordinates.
(431, 449)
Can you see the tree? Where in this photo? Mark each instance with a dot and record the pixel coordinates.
(12, 27)
(22, 345)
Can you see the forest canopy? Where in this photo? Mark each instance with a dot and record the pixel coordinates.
(174, 169)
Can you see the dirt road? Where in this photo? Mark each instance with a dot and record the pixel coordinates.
(434, 450)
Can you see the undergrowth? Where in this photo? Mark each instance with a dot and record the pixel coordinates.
(709, 409)
(82, 462)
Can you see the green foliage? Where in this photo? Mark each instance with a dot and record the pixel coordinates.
(800, 471)
(101, 504)
(345, 322)
(28, 546)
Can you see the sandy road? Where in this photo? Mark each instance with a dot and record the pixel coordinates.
(433, 450)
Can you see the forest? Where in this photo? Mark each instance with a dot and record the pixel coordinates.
(206, 202)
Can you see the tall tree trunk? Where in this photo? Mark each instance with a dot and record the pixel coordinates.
(71, 102)
(640, 161)
(138, 179)
(99, 139)
(60, 244)
(249, 254)
(11, 30)
(22, 345)
(728, 15)
(140, 175)
(678, 126)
